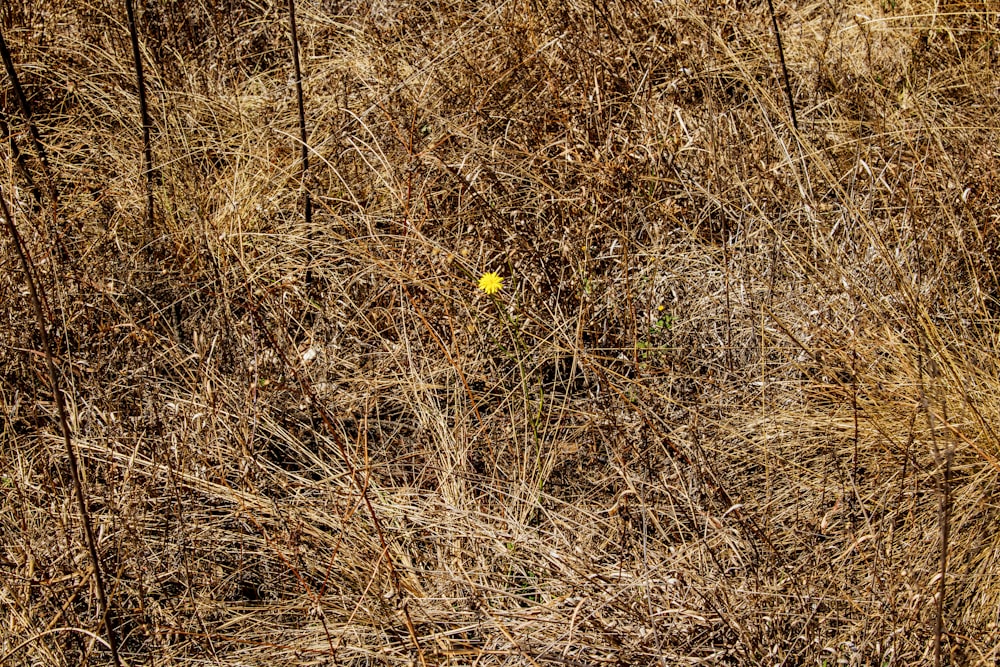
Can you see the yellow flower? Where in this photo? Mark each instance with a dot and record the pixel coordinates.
(491, 283)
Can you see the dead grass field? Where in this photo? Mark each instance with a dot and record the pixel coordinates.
(737, 398)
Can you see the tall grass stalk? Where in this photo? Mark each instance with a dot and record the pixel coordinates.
(303, 136)
(784, 67)
(37, 296)
(147, 123)
(25, 107)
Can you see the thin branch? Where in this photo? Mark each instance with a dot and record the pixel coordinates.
(784, 67)
(359, 480)
(147, 147)
(36, 294)
(303, 137)
(22, 165)
(25, 106)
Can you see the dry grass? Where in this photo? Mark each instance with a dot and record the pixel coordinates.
(737, 381)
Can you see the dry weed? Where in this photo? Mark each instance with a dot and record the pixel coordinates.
(737, 394)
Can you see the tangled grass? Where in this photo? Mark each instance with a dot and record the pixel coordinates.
(734, 403)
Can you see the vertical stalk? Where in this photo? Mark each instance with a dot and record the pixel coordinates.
(784, 67)
(945, 524)
(147, 147)
(36, 293)
(303, 137)
(25, 107)
(36, 141)
(22, 166)
(943, 459)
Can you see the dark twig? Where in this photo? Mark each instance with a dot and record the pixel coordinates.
(944, 461)
(25, 107)
(22, 165)
(784, 67)
(25, 171)
(303, 137)
(359, 480)
(945, 520)
(36, 140)
(147, 147)
(36, 294)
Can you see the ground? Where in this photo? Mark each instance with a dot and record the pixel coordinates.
(734, 403)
